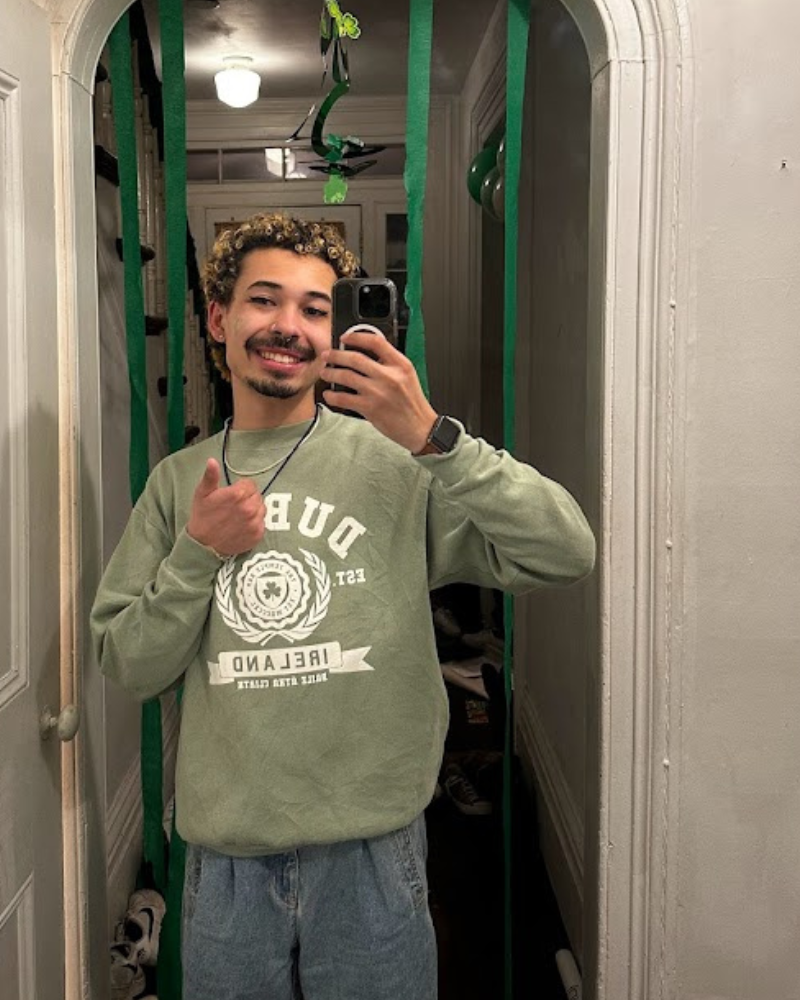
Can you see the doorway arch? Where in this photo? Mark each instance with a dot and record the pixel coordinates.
(640, 58)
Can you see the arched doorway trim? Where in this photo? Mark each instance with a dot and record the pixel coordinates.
(640, 56)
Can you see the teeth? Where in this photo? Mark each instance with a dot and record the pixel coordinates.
(282, 359)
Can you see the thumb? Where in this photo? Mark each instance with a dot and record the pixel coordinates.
(210, 481)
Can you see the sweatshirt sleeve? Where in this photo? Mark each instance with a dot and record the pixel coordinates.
(497, 522)
(148, 617)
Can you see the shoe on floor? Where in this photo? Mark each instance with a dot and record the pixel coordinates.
(127, 976)
(463, 794)
(446, 622)
(142, 924)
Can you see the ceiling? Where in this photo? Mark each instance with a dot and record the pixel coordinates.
(282, 36)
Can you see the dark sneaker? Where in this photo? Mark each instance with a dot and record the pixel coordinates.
(463, 794)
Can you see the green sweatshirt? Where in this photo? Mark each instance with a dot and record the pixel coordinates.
(314, 709)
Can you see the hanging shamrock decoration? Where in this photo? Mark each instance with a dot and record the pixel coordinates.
(335, 29)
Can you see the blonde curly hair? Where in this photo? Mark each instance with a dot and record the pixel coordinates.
(285, 232)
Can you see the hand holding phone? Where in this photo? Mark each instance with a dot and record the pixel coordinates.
(368, 304)
(381, 385)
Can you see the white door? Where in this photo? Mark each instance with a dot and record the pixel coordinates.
(31, 905)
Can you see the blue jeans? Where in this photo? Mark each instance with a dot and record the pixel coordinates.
(347, 921)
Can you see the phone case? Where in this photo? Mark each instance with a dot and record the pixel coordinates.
(346, 313)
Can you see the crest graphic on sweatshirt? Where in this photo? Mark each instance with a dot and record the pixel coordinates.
(273, 596)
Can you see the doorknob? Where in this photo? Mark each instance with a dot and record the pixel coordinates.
(66, 724)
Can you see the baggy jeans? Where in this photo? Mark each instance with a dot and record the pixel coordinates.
(346, 921)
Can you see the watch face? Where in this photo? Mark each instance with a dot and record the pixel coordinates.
(445, 435)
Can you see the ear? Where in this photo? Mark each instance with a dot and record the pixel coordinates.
(216, 321)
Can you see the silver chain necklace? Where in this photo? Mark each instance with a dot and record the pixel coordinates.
(281, 462)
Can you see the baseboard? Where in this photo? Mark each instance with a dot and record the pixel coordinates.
(561, 825)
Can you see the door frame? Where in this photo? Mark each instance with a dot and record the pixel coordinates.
(640, 308)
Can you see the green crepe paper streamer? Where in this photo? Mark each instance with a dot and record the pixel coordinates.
(517, 50)
(170, 973)
(122, 96)
(415, 174)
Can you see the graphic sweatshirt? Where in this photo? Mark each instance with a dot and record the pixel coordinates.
(314, 708)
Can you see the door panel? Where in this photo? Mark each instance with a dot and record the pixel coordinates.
(31, 904)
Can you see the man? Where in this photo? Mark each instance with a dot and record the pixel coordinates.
(281, 569)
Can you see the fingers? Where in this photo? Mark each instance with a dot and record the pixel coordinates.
(210, 481)
(353, 376)
(243, 490)
(346, 401)
(374, 342)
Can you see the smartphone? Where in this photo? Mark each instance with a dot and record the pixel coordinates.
(363, 304)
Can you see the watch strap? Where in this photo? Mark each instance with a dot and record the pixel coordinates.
(442, 438)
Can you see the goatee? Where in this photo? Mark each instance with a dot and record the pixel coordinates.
(273, 389)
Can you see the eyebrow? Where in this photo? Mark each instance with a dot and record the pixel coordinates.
(274, 286)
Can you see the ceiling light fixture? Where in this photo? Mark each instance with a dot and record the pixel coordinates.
(237, 85)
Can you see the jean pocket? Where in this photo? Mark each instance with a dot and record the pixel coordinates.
(409, 851)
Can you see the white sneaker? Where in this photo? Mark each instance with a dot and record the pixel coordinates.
(142, 924)
(127, 977)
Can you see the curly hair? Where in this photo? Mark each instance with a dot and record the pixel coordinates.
(285, 232)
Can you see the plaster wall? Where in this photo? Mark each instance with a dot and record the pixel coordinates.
(738, 848)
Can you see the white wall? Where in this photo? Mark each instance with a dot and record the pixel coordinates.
(739, 848)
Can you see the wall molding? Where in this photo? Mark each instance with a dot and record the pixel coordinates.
(565, 816)
(124, 816)
(21, 911)
(124, 821)
(14, 670)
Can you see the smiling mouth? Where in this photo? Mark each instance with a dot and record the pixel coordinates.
(283, 353)
(279, 358)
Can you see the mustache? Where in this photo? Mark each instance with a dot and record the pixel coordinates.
(278, 342)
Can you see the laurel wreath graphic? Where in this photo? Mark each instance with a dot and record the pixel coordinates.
(223, 591)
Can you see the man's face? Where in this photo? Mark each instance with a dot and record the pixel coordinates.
(277, 323)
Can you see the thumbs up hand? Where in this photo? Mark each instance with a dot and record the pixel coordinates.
(228, 519)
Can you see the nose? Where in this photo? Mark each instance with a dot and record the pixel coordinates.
(288, 321)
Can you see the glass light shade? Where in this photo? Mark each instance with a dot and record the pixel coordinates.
(278, 159)
(236, 85)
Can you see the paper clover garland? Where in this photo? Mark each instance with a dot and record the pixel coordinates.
(334, 31)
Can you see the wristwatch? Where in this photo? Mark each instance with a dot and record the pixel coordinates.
(442, 438)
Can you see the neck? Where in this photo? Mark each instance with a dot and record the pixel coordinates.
(256, 412)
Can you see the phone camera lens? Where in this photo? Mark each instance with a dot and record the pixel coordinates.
(374, 302)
